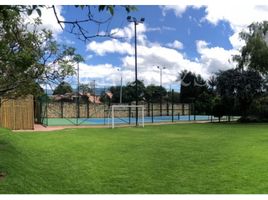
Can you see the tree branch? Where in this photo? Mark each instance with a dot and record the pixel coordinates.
(76, 26)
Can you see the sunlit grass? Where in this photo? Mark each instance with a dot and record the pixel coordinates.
(183, 158)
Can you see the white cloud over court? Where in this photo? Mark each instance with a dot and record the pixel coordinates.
(150, 55)
(171, 55)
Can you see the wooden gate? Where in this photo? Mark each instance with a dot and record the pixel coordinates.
(17, 114)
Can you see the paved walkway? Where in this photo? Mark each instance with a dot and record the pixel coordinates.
(41, 128)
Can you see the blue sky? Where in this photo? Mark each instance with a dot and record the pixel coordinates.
(198, 38)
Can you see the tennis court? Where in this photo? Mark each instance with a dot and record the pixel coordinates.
(125, 120)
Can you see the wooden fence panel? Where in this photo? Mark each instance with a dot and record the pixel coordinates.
(17, 114)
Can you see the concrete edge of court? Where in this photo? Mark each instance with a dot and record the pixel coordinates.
(41, 128)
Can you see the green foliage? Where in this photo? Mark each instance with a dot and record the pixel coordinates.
(194, 89)
(259, 109)
(176, 97)
(154, 93)
(85, 88)
(115, 90)
(219, 108)
(104, 98)
(254, 54)
(63, 88)
(203, 104)
(128, 91)
(192, 86)
(238, 89)
(29, 55)
(30, 9)
(111, 8)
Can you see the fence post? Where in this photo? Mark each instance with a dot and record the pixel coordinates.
(152, 112)
(148, 109)
(189, 111)
(61, 108)
(172, 104)
(46, 109)
(167, 108)
(194, 110)
(87, 109)
(129, 113)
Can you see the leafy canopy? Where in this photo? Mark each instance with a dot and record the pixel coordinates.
(29, 55)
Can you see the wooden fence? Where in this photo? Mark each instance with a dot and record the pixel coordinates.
(17, 114)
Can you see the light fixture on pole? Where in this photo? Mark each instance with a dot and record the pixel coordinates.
(136, 22)
(161, 68)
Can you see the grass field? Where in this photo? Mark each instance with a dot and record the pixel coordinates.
(183, 158)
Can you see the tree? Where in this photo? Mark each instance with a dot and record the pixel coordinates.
(254, 55)
(85, 88)
(192, 86)
(129, 92)
(92, 16)
(212, 83)
(238, 88)
(204, 103)
(115, 90)
(99, 17)
(259, 109)
(154, 93)
(29, 55)
(218, 109)
(63, 88)
(176, 97)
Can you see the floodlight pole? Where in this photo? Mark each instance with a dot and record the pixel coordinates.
(121, 90)
(121, 82)
(136, 22)
(161, 68)
(77, 98)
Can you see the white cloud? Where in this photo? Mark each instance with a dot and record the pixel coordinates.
(128, 32)
(239, 16)
(104, 74)
(236, 41)
(150, 55)
(89, 57)
(110, 46)
(176, 44)
(177, 9)
(48, 19)
(168, 28)
(214, 59)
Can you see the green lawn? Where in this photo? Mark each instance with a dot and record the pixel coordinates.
(183, 158)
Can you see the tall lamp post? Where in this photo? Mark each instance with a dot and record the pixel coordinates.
(77, 98)
(121, 81)
(161, 68)
(136, 22)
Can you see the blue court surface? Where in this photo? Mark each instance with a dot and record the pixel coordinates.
(124, 120)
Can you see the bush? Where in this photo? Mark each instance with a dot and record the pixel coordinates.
(258, 111)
